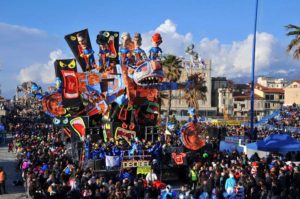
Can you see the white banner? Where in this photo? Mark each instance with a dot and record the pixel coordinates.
(112, 161)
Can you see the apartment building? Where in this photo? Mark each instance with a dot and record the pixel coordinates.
(270, 82)
(292, 93)
(179, 106)
(274, 97)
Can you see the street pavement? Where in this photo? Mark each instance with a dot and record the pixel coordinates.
(9, 162)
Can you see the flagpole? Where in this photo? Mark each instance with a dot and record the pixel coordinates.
(253, 70)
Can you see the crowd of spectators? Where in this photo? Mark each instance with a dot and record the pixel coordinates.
(47, 169)
(238, 176)
(289, 117)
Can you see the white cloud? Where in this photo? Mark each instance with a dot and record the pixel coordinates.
(23, 46)
(282, 71)
(235, 60)
(173, 42)
(22, 29)
(41, 73)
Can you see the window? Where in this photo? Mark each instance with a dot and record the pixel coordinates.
(242, 105)
(269, 97)
(235, 105)
(210, 113)
(281, 97)
(267, 105)
(184, 113)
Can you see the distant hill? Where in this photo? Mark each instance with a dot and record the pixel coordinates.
(289, 75)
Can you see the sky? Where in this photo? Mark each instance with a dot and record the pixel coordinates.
(32, 33)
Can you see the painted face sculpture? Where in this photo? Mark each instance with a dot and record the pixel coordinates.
(148, 73)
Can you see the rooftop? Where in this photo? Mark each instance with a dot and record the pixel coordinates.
(247, 97)
(268, 90)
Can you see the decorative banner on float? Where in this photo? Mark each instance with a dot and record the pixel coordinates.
(121, 133)
(108, 42)
(64, 64)
(226, 122)
(135, 163)
(70, 94)
(66, 80)
(80, 44)
(143, 170)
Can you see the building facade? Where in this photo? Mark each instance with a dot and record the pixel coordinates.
(217, 83)
(270, 82)
(179, 106)
(236, 101)
(226, 98)
(242, 106)
(292, 93)
(225, 101)
(274, 97)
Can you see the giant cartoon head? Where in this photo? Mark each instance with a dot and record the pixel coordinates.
(192, 135)
(149, 73)
(52, 105)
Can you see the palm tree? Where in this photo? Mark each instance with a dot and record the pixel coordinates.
(172, 69)
(196, 91)
(295, 43)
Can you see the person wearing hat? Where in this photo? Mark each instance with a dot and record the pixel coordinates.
(155, 52)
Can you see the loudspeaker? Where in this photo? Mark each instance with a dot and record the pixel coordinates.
(99, 164)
